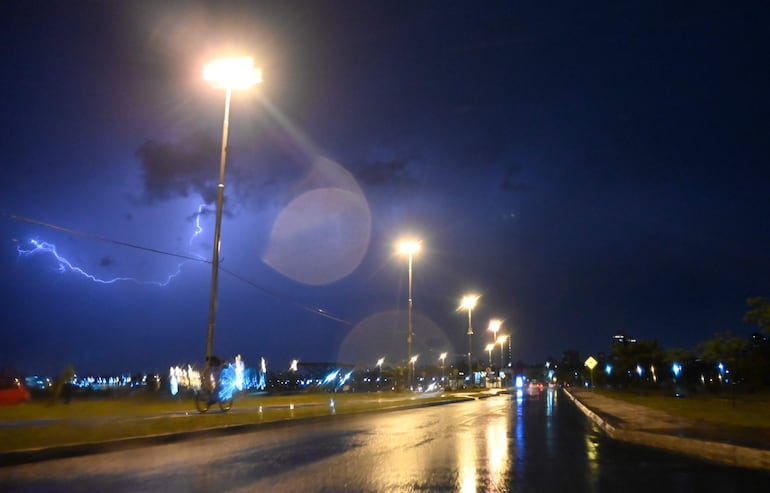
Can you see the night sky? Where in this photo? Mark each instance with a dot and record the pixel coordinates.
(588, 168)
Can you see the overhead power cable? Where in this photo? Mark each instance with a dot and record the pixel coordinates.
(285, 298)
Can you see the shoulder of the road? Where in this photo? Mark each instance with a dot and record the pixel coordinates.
(618, 419)
(18, 457)
(641, 425)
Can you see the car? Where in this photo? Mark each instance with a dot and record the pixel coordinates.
(13, 392)
(534, 388)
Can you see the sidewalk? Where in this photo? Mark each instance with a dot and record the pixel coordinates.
(731, 445)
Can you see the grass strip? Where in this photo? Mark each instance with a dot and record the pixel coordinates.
(38, 424)
(745, 410)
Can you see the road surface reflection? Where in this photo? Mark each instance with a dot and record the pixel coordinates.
(514, 443)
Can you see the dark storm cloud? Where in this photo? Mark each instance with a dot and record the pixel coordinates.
(106, 261)
(179, 169)
(204, 211)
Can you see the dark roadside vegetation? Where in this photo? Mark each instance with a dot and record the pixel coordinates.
(735, 410)
(725, 379)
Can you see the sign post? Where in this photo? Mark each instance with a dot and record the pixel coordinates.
(591, 364)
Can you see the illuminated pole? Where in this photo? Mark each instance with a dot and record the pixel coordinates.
(413, 360)
(494, 326)
(228, 74)
(442, 357)
(410, 248)
(468, 303)
(489, 349)
(501, 341)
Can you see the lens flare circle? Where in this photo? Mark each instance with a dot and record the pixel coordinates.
(384, 333)
(321, 236)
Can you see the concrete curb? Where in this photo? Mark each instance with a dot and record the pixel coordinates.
(723, 453)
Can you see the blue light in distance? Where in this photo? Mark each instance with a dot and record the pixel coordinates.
(519, 382)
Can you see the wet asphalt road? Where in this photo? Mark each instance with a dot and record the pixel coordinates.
(505, 443)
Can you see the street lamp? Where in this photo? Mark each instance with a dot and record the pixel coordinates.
(442, 357)
(494, 326)
(413, 360)
(501, 340)
(379, 371)
(489, 349)
(409, 247)
(468, 303)
(227, 74)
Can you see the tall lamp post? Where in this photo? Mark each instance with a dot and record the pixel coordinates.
(227, 74)
(379, 371)
(489, 349)
(442, 357)
(409, 247)
(494, 326)
(501, 340)
(468, 303)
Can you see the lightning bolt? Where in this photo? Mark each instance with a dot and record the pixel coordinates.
(42, 247)
(198, 228)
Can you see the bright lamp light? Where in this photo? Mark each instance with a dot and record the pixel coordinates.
(408, 246)
(469, 302)
(232, 73)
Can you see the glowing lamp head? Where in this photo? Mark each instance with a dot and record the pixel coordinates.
(414, 359)
(494, 325)
(490, 347)
(469, 302)
(502, 339)
(232, 73)
(442, 356)
(380, 361)
(409, 247)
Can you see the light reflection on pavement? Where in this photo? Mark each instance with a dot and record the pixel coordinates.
(504, 443)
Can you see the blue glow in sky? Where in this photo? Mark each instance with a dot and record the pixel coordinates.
(587, 169)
